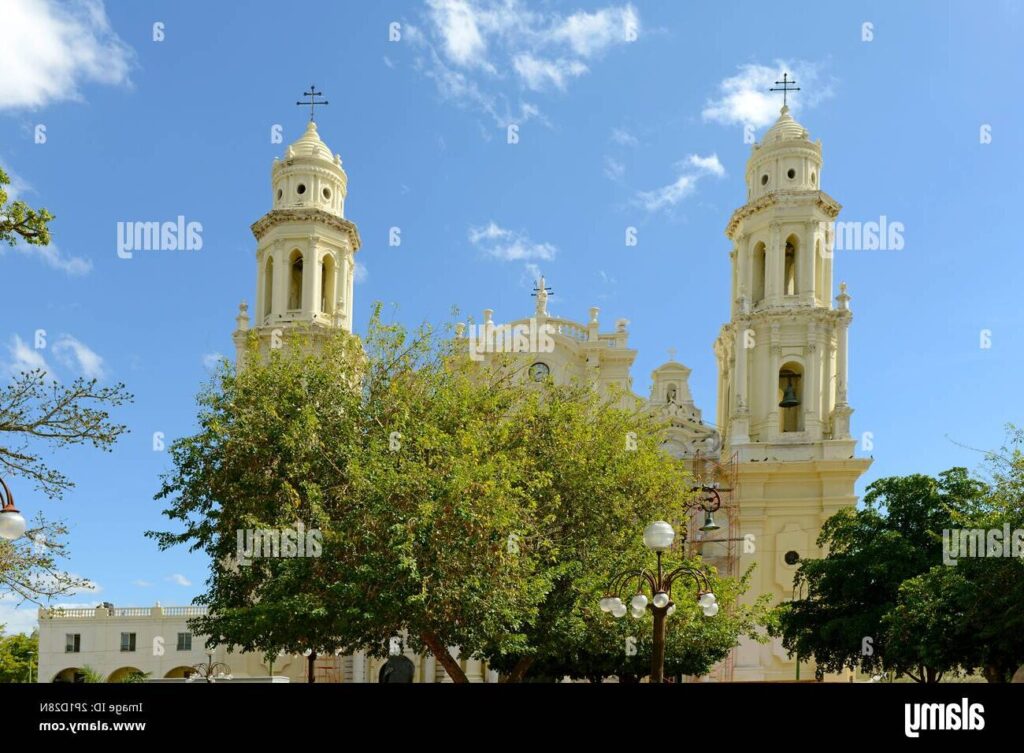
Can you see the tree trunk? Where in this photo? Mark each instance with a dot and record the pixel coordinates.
(441, 654)
(310, 674)
(518, 671)
(995, 673)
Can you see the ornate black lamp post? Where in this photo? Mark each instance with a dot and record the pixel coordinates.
(658, 537)
(210, 670)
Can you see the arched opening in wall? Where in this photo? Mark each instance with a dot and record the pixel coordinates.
(791, 397)
(181, 672)
(126, 674)
(327, 285)
(71, 674)
(295, 281)
(789, 270)
(268, 288)
(759, 270)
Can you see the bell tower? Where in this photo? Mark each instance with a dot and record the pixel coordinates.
(305, 248)
(782, 365)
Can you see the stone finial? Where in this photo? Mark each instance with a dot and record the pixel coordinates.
(488, 316)
(594, 311)
(460, 329)
(242, 320)
(843, 297)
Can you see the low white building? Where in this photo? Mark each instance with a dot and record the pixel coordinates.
(117, 642)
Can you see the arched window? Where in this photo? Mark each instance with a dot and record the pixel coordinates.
(758, 271)
(295, 281)
(327, 285)
(789, 271)
(791, 397)
(268, 288)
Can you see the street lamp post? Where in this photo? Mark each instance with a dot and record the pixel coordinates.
(12, 522)
(210, 670)
(658, 537)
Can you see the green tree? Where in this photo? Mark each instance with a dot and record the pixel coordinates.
(19, 657)
(872, 551)
(400, 456)
(19, 221)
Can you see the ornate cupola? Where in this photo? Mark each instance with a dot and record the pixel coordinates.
(305, 248)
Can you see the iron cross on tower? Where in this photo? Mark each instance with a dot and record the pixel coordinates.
(313, 102)
(786, 88)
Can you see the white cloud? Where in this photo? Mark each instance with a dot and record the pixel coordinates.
(211, 361)
(141, 583)
(509, 245)
(54, 258)
(456, 22)
(709, 164)
(360, 273)
(179, 579)
(538, 74)
(622, 137)
(590, 34)
(25, 358)
(49, 49)
(613, 169)
(745, 99)
(75, 355)
(482, 54)
(691, 170)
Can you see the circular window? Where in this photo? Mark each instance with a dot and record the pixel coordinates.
(301, 189)
(764, 180)
(791, 557)
(791, 174)
(327, 194)
(539, 371)
(280, 193)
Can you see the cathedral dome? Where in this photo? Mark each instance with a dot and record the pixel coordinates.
(785, 128)
(310, 176)
(310, 144)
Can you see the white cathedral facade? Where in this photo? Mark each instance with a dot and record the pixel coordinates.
(779, 453)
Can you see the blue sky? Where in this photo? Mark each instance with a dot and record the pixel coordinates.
(627, 115)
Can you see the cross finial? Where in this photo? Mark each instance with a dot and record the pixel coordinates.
(312, 94)
(671, 354)
(786, 88)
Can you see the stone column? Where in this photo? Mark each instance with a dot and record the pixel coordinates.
(811, 383)
(310, 281)
(474, 670)
(741, 416)
(282, 269)
(359, 666)
(772, 382)
(774, 264)
(429, 669)
(805, 273)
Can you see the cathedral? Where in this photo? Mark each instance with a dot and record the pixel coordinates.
(779, 458)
